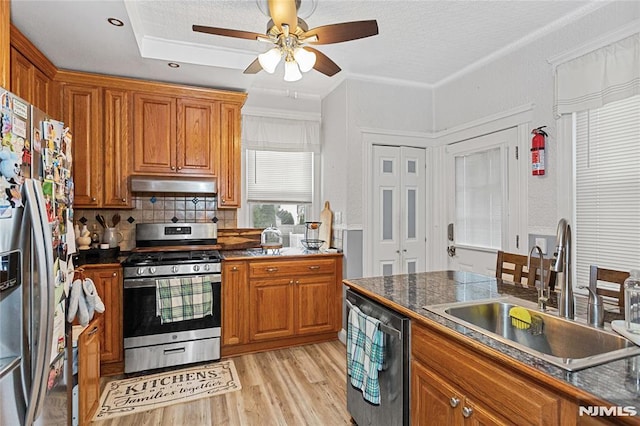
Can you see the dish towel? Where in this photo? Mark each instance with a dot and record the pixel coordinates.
(181, 299)
(365, 353)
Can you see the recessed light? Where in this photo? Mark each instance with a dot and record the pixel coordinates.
(173, 65)
(115, 22)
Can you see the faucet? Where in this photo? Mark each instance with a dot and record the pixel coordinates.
(543, 291)
(595, 307)
(561, 264)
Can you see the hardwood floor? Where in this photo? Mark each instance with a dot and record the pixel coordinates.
(304, 385)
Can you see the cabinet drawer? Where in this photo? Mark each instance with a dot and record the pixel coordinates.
(497, 388)
(295, 267)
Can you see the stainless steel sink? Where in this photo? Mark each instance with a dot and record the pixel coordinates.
(568, 344)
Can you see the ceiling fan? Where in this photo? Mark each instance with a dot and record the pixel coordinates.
(291, 35)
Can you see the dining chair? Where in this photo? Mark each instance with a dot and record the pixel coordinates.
(611, 277)
(513, 267)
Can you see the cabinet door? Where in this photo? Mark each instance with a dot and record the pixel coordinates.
(433, 402)
(21, 76)
(229, 179)
(89, 371)
(315, 304)
(117, 148)
(198, 142)
(108, 283)
(154, 134)
(271, 309)
(41, 88)
(234, 303)
(83, 115)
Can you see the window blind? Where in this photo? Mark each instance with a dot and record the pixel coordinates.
(607, 229)
(274, 176)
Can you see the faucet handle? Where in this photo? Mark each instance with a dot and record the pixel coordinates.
(594, 297)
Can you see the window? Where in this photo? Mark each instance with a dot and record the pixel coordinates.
(280, 190)
(607, 187)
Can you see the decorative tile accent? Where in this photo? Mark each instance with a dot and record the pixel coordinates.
(214, 219)
(174, 219)
(131, 219)
(195, 200)
(153, 199)
(84, 220)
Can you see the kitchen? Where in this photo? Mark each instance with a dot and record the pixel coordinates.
(457, 109)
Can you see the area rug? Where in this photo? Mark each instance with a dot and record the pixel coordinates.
(143, 393)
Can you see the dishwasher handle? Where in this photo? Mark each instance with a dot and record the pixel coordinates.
(383, 327)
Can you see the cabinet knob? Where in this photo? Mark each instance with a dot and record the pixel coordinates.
(222, 200)
(234, 269)
(93, 198)
(179, 167)
(115, 274)
(297, 281)
(467, 412)
(173, 167)
(454, 402)
(124, 200)
(290, 281)
(272, 269)
(314, 267)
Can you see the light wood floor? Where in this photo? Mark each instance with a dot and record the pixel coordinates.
(304, 385)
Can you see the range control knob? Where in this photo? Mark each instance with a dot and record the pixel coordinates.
(196, 268)
(152, 270)
(207, 267)
(140, 271)
(174, 269)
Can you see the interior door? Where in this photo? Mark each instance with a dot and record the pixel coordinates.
(482, 175)
(399, 200)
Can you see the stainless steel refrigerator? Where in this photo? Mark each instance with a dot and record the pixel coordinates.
(36, 195)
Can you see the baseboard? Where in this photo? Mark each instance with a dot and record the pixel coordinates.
(342, 336)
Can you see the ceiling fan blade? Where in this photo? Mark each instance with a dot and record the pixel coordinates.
(226, 32)
(323, 64)
(253, 68)
(284, 12)
(337, 33)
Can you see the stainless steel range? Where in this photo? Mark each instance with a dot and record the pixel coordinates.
(182, 256)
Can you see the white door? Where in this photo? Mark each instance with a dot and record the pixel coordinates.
(399, 210)
(483, 177)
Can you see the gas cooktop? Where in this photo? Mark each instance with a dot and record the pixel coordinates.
(172, 257)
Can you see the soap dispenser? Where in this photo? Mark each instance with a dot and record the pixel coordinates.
(632, 302)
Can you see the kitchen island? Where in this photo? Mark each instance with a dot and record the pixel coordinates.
(450, 348)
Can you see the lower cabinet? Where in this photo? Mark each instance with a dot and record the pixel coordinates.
(280, 302)
(89, 371)
(453, 385)
(108, 281)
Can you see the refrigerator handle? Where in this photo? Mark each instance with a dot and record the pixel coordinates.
(41, 246)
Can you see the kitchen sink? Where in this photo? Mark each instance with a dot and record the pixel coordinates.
(567, 344)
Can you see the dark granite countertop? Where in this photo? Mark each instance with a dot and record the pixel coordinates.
(283, 252)
(617, 382)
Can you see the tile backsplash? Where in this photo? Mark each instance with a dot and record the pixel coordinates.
(158, 209)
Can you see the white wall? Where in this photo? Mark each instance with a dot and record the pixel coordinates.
(525, 77)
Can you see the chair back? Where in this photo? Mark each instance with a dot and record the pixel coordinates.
(513, 267)
(610, 276)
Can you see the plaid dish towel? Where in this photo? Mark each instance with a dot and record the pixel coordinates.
(365, 353)
(180, 299)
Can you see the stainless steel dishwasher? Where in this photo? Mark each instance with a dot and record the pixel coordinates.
(394, 377)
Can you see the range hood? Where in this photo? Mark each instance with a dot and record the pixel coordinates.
(182, 185)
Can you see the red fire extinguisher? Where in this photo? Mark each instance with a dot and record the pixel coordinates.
(537, 151)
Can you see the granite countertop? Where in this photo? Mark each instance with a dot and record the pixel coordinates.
(617, 382)
(283, 252)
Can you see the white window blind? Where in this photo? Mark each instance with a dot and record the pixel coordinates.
(479, 199)
(608, 187)
(274, 176)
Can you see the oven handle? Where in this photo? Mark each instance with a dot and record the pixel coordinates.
(151, 282)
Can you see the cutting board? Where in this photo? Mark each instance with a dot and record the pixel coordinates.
(326, 217)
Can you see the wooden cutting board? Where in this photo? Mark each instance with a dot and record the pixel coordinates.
(326, 217)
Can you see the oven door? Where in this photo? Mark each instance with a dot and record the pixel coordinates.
(141, 319)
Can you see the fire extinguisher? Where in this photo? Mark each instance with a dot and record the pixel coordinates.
(537, 151)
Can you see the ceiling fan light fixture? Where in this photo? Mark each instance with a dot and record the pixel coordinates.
(305, 59)
(291, 71)
(270, 59)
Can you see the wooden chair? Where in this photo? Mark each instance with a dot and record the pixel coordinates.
(612, 277)
(513, 267)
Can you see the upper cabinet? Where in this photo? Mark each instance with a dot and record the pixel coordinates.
(117, 149)
(230, 157)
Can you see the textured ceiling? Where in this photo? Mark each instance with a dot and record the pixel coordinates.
(420, 42)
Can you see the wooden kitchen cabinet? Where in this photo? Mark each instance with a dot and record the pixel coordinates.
(175, 136)
(450, 384)
(108, 281)
(89, 371)
(82, 113)
(281, 302)
(117, 149)
(234, 303)
(230, 178)
(21, 75)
